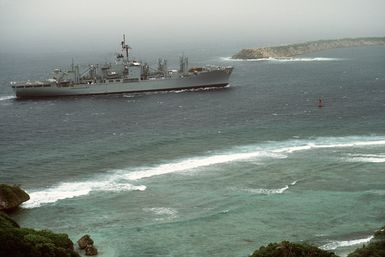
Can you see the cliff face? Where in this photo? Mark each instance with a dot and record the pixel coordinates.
(304, 48)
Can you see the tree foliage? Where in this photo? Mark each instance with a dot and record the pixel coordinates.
(26, 242)
(288, 249)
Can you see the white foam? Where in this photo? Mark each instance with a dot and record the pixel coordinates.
(259, 152)
(269, 191)
(283, 60)
(374, 158)
(376, 192)
(196, 162)
(318, 144)
(336, 244)
(118, 180)
(304, 59)
(163, 213)
(3, 98)
(75, 189)
(266, 191)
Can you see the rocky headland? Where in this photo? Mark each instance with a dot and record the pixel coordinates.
(289, 51)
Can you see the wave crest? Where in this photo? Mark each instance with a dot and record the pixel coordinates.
(269, 191)
(373, 158)
(75, 189)
(259, 152)
(336, 244)
(117, 180)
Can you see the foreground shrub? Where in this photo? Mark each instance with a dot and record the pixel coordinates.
(25, 242)
(287, 249)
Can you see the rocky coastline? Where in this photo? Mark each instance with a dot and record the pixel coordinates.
(289, 51)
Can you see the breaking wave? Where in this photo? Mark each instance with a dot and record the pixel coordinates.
(259, 152)
(374, 158)
(75, 189)
(269, 191)
(9, 97)
(324, 143)
(336, 244)
(194, 163)
(121, 179)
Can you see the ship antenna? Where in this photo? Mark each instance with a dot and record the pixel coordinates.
(125, 47)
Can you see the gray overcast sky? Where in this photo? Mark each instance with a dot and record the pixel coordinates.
(70, 24)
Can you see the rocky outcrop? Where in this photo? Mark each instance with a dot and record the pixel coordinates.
(91, 250)
(11, 197)
(288, 51)
(86, 243)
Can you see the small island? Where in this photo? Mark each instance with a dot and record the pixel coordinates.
(289, 51)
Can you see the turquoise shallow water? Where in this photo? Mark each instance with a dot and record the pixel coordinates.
(209, 172)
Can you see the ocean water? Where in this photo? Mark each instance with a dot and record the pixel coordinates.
(205, 172)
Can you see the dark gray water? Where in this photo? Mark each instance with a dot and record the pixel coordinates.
(207, 172)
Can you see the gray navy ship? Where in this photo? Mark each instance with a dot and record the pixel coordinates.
(123, 76)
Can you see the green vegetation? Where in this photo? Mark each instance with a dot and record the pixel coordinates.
(373, 249)
(7, 222)
(376, 248)
(380, 234)
(25, 242)
(288, 249)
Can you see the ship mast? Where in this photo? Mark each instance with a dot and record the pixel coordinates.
(125, 47)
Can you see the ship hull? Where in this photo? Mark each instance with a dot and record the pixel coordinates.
(213, 78)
